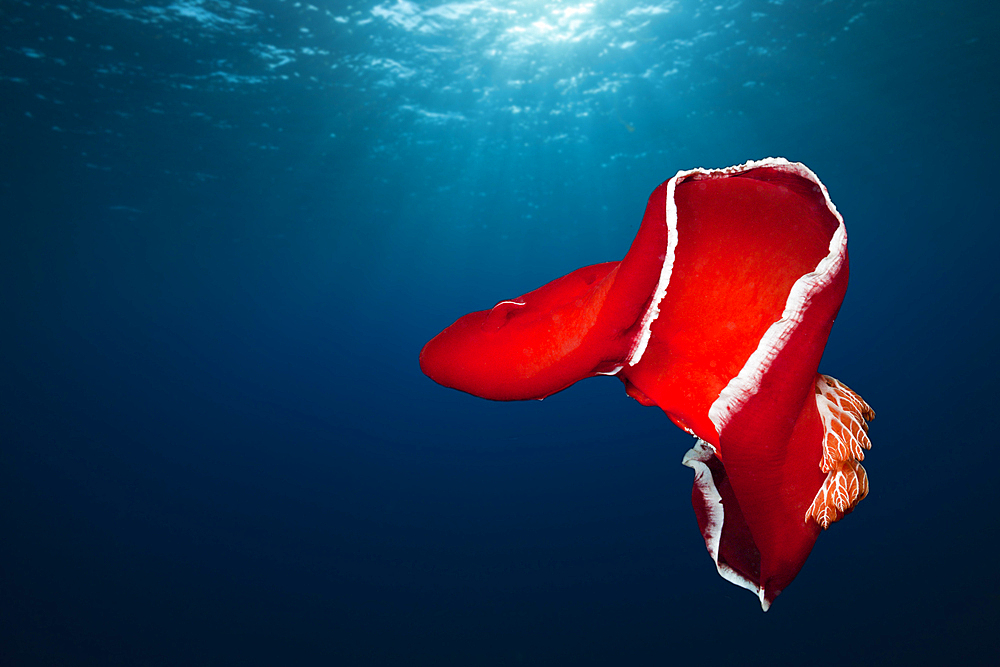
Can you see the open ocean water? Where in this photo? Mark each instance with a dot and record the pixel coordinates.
(229, 227)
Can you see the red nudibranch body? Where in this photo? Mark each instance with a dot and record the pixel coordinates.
(718, 315)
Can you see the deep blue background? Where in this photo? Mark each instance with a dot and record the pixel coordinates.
(228, 230)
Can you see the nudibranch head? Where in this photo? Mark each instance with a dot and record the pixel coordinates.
(528, 347)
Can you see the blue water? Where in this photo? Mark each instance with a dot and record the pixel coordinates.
(230, 227)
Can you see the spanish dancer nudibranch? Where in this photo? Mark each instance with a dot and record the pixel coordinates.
(718, 315)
